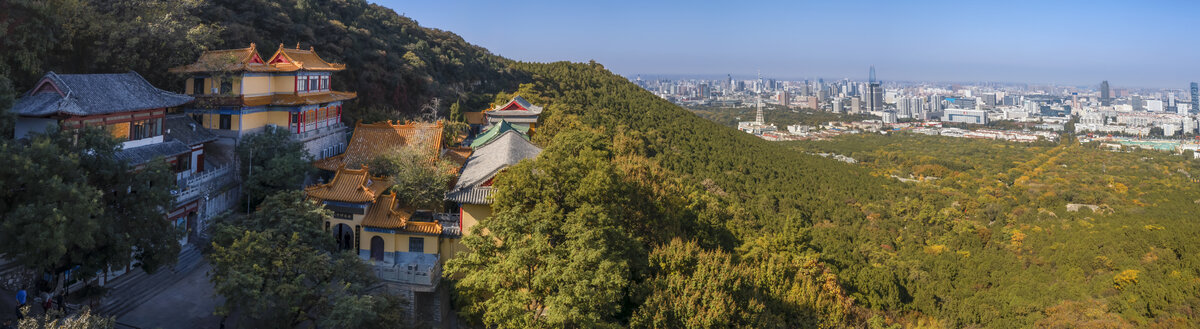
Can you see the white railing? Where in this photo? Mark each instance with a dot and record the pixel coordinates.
(312, 131)
(417, 273)
(200, 183)
(206, 176)
(450, 224)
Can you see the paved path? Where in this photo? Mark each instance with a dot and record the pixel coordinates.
(188, 303)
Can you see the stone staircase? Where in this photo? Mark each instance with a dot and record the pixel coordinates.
(14, 276)
(135, 288)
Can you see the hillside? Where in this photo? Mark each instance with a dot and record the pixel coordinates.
(987, 241)
(396, 66)
(651, 216)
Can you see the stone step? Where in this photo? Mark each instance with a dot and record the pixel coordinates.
(137, 289)
(144, 284)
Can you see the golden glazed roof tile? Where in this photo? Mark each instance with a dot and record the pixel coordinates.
(350, 185)
(386, 214)
(371, 140)
(287, 59)
(240, 59)
(248, 60)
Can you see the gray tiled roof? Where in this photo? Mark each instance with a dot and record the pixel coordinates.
(535, 110)
(143, 154)
(526, 103)
(486, 162)
(184, 129)
(91, 94)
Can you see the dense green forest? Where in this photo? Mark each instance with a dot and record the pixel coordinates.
(640, 213)
(985, 236)
(397, 67)
(979, 236)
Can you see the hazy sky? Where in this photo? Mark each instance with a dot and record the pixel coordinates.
(1129, 43)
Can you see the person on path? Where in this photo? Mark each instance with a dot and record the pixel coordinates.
(21, 298)
(47, 301)
(61, 300)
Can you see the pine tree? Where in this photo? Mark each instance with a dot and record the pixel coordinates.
(271, 161)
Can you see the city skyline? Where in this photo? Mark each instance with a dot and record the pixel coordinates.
(1132, 45)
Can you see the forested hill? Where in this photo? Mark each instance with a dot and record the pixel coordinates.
(775, 182)
(640, 214)
(710, 223)
(396, 66)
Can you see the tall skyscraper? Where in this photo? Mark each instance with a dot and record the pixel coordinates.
(1195, 97)
(758, 117)
(1105, 94)
(874, 94)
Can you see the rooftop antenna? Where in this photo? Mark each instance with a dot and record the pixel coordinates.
(758, 117)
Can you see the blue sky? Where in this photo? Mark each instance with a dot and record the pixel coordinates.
(1129, 43)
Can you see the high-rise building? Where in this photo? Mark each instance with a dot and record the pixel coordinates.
(784, 98)
(1105, 94)
(874, 94)
(935, 103)
(1154, 105)
(908, 107)
(758, 116)
(989, 99)
(1195, 97)
(1136, 102)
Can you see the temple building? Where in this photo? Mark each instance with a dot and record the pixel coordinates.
(494, 131)
(473, 190)
(401, 244)
(135, 112)
(405, 247)
(517, 112)
(370, 140)
(238, 93)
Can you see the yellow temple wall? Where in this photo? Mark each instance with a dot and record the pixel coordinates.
(398, 242)
(472, 214)
(450, 248)
(283, 84)
(210, 121)
(253, 120)
(256, 85)
(237, 85)
(278, 118)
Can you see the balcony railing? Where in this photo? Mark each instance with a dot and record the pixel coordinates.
(312, 131)
(198, 184)
(218, 100)
(450, 224)
(410, 268)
